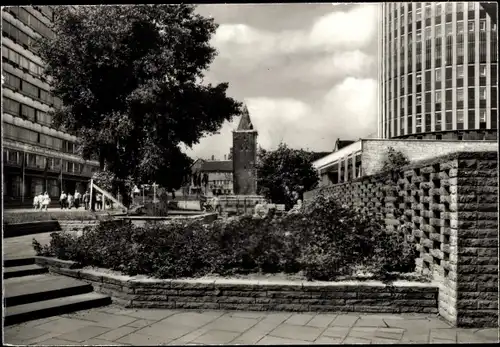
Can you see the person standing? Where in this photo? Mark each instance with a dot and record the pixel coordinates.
(62, 200)
(86, 199)
(98, 201)
(46, 201)
(77, 199)
(71, 201)
(36, 202)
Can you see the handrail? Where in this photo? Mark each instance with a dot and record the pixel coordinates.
(105, 195)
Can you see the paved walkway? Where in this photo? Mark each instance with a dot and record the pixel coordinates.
(21, 246)
(113, 325)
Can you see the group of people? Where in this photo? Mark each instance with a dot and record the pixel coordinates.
(67, 201)
(41, 201)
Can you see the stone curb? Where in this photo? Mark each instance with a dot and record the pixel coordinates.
(261, 295)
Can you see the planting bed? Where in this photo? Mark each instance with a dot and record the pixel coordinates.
(264, 293)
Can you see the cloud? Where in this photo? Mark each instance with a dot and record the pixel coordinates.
(347, 111)
(305, 85)
(333, 67)
(338, 30)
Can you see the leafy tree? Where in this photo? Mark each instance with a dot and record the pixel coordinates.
(394, 160)
(130, 81)
(284, 171)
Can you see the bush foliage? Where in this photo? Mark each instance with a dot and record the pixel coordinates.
(322, 241)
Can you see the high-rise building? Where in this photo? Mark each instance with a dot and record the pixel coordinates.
(37, 157)
(437, 71)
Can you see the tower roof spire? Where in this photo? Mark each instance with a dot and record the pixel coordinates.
(245, 122)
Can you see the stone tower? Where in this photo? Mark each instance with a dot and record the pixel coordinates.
(245, 157)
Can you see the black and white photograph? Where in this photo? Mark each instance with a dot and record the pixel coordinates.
(250, 174)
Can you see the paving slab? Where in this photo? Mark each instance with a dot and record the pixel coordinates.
(64, 325)
(490, 334)
(102, 318)
(249, 337)
(192, 319)
(370, 322)
(389, 333)
(148, 314)
(60, 342)
(255, 315)
(140, 323)
(328, 340)
(362, 332)
(356, 341)
(116, 334)
(116, 326)
(299, 319)
(189, 337)
(336, 332)
(297, 332)
(216, 337)
(99, 342)
(83, 334)
(321, 320)
(344, 320)
(449, 334)
(233, 324)
(136, 339)
(273, 340)
(169, 331)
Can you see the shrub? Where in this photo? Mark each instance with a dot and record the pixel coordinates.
(324, 240)
(394, 160)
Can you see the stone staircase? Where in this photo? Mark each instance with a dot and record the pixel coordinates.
(32, 293)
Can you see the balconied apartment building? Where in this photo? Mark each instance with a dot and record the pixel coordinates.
(37, 157)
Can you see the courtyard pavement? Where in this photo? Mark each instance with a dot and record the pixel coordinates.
(113, 325)
(21, 246)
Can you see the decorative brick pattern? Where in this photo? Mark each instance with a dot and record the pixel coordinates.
(451, 204)
(257, 295)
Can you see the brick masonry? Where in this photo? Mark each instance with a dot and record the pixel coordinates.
(252, 295)
(451, 204)
(244, 162)
(374, 151)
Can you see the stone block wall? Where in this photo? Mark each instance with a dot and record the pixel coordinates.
(374, 151)
(451, 205)
(239, 204)
(254, 295)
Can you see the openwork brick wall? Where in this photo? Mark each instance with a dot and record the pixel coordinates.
(450, 204)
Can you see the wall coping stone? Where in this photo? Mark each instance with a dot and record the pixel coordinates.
(54, 264)
(488, 155)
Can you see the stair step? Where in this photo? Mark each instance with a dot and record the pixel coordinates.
(54, 307)
(27, 289)
(11, 262)
(23, 270)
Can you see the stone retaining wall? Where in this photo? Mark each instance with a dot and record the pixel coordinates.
(451, 205)
(300, 296)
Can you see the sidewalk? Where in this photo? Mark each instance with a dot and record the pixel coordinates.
(113, 325)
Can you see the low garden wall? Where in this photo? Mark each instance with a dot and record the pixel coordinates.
(239, 204)
(300, 296)
(450, 204)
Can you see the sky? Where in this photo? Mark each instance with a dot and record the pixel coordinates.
(307, 73)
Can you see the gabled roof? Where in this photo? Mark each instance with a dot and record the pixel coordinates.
(339, 144)
(245, 122)
(217, 165)
(317, 155)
